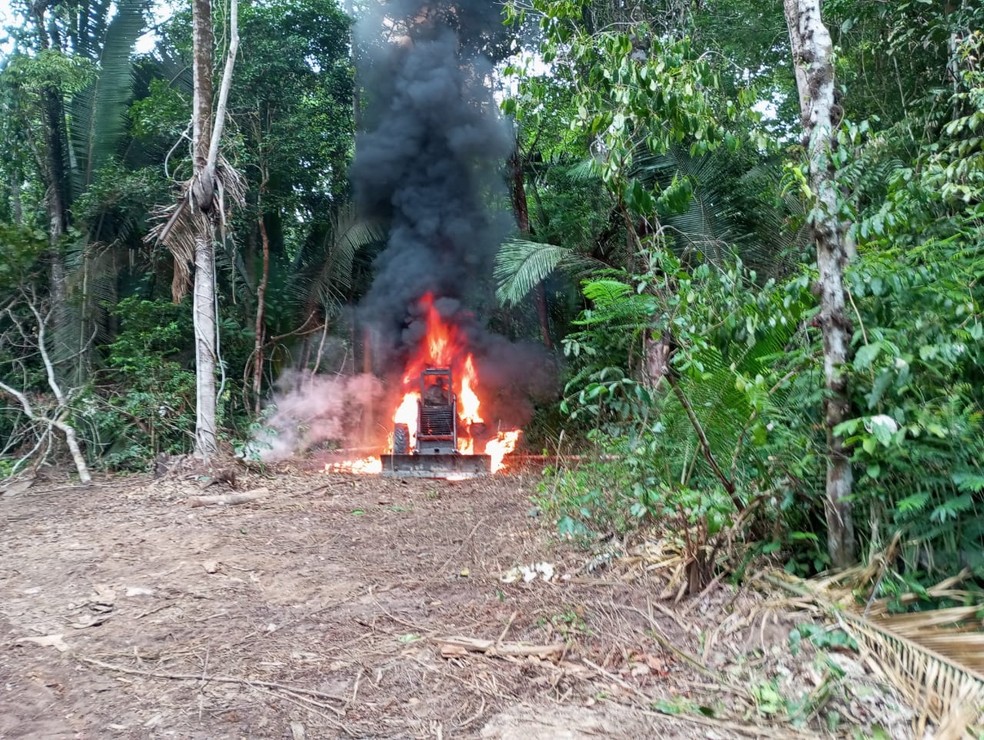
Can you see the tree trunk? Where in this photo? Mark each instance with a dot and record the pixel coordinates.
(203, 310)
(202, 71)
(260, 321)
(813, 63)
(522, 210)
(56, 182)
(656, 350)
(206, 440)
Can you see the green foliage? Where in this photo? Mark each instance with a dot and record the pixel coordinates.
(628, 85)
(149, 407)
(725, 398)
(159, 117)
(49, 69)
(918, 437)
(20, 250)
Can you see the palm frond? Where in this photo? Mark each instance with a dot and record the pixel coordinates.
(718, 222)
(521, 265)
(934, 658)
(97, 122)
(587, 170)
(942, 688)
(723, 410)
(88, 25)
(350, 234)
(330, 280)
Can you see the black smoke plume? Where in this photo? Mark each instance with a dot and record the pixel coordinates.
(429, 163)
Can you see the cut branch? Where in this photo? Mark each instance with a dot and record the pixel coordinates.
(456, 647)
(229, 499)
(57, 417)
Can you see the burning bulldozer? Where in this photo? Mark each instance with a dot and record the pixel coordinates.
(430, 447)
(438, 427)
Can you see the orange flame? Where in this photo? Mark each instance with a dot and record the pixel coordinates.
(502, 445)
(468, 402)
(368, 466)
(406, 413)
(444, 346)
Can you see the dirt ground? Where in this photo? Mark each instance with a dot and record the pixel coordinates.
(323, 609)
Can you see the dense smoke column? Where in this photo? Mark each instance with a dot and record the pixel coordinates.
(430, 160)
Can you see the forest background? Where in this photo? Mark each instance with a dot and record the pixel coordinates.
(668, 210)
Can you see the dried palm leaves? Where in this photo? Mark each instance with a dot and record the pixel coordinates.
(934, 658)
(182, 223)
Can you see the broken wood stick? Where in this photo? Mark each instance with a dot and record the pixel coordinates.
(458, 647)
(229, 499)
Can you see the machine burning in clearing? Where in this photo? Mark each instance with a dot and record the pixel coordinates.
(433, 450)
(437, 424)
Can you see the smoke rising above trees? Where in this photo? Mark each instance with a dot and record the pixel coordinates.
(429, 160)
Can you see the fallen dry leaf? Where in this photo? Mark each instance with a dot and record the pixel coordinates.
(54, 641)
(90, 620)
(103, 595)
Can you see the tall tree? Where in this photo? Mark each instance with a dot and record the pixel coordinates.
(813, 61)
(190, 228)
(204, 311)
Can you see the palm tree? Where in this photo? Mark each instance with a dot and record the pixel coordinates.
(308, 292)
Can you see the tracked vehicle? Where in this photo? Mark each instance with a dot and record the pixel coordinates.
(433, 451)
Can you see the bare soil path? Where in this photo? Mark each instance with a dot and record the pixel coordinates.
(319, 609)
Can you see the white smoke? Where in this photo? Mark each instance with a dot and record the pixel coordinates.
(309, 410)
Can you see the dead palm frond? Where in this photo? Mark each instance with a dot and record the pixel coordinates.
(942, 689)
(934, 658)
(181, 223)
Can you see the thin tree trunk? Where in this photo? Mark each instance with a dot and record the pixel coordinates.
(204, 42)
(206, 136)
(206, 439)
(57, 196)
(203, 307)
(260, 313)
(813, 63)
(522, 210)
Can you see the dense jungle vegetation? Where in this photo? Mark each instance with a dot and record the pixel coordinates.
(668, 206)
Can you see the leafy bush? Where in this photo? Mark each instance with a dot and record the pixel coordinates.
(148, 407)
(710, 440)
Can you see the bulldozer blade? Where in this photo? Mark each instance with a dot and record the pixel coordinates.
(436, 466)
